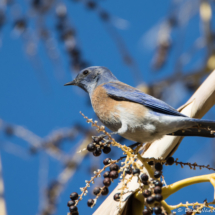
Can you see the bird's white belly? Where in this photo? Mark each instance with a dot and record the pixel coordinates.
(148, 127)
(142, 135)
(141, 129)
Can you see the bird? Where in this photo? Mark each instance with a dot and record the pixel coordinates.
(133, 114)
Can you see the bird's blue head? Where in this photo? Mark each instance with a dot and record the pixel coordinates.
(88, 79)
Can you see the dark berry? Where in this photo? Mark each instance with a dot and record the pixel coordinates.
(114, 174)
(90, 202)
(98, 139)
(128, 171)
(74, 196)
(106, 174)
(107, 182)
(170, 160)
(158, 166)
(146, 211)
(189, 212)
(105, 191)
(158, 197)
(106, 161)
(150, 200)
(114, 167)
(157, 183)
(136, 171)
(157, 190)
(97, 152)
(106, 149)
(151, 163)
(157, 210)
(157, 174)
(144, 177)
(91, 147)
(145, 182)
(73, 209)
(147, 193)
(96, 190)
(70, 203)
(116, 197)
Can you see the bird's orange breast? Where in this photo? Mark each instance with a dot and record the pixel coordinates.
(104, 106)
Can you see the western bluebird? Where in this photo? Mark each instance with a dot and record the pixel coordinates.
(133, 114)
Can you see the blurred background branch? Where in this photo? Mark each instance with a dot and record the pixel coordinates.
(2, 200)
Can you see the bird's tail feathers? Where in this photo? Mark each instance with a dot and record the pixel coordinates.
(194, 132)
(205, 124)
(202, 128)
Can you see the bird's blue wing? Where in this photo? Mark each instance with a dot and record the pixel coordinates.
(121, 91)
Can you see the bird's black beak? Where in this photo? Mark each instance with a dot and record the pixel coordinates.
(71, 83)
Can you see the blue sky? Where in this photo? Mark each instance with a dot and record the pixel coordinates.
(45, 107)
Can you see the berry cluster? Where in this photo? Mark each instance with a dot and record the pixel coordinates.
(152, 195)
(72, 204)
(158, 166)
(152, 192)
(97, 146)
(151, 187)
(109, 177)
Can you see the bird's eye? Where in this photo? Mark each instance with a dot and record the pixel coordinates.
(85, 72)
